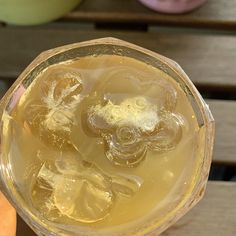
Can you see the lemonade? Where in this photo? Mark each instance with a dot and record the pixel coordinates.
(102, 141)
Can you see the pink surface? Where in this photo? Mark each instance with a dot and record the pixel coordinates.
(172, 6)
(16, 97)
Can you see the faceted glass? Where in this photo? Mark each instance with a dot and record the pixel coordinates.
(104, 138)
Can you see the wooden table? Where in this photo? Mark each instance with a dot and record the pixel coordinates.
(204, 44)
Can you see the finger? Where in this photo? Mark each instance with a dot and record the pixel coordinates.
(7, 218)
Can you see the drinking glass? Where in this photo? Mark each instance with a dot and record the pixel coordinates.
(13, 166)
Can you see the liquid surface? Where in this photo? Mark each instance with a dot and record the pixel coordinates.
(102, 141)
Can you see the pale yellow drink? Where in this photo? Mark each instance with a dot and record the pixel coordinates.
(103, 141)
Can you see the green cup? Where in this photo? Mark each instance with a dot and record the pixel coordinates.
(32, 12)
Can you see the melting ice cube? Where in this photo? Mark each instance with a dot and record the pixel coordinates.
(86, 194)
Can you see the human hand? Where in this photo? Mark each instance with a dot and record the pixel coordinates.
(7, 218)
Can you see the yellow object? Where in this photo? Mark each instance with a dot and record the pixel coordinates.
(104, 138)
(32, 12)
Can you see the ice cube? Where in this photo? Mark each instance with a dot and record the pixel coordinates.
(51, 113)
(162, 93)
(122, 154)
(82, 197)
(86, 193)
(144, 113)
(82, 201)
(168, 133)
